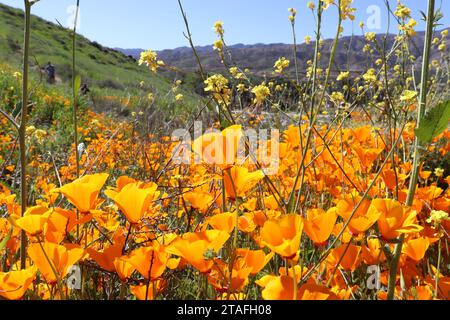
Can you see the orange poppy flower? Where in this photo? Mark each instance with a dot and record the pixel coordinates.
(367, 156)
(283, 236)
(224, 221)
(14, 284)
(421, 293)
(153, 288)
(105, 258)
(282, 288)
(83, 192)
(123, 268)
(362, 219)
(255, 260)
(218, 148)
(123, 181)
(416, 248)
(320, 224)
(246, 222)
(238, 180)
(34, 220)
(312, 291)
(199, 200)
(372, 254)
(61, 257)
(193, 246)
(219, 276)
(173, 263)
(394, 219)
(58, 224)
(292, 136)
(150, 262)
(346, 255)
(277, 288)
(133, 200)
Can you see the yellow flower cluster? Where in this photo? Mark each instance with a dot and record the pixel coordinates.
(293, 14)
(218, 28)
(217, 84)
(408, 28)
(402, 11)
(437, 217)
(149, 58)
(370, 75)
(408, 95)
(281, 64)
(218, 45)
(261, 92)
(343, 76)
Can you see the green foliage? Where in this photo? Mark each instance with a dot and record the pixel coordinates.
(104, 69)
(6, 239)
(77, 85)
(434, 122)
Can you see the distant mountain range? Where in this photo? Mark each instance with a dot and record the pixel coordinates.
(260, 58)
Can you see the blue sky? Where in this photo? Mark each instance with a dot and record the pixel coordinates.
(157, 24)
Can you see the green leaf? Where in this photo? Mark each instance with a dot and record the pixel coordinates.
(6, 239)
(76, 86)
(434, 122)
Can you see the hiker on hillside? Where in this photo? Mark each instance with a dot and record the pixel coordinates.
(50, 69)
(84, 89)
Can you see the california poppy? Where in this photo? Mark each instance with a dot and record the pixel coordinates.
(106, 257)
(14, 284)
(150, 261)
(347, 256)
(83, 192)
(199, 200)
(218, 148)
(416, 248)
(312, 291)
(123, 268)
(246, 222)
(133, 200)
(256, 260)
(34, 220)
(58, 224)
(320, 224)
(277, 288)
(367, 156)
(219, 276)
(224, 221)
(238, 180)
(394, 219)
(61, 259)
(362, 219)
(372, 254)
(147, 292)
(193, 247)
(283, 236)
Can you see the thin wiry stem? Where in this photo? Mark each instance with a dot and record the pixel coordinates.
(22, 131)
(416, 165)
(189, 37)
(10, 119)
(75, 98)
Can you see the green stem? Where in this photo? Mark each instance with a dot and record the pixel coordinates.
(436, 285)
(75, 102)
(416, 165)
(22, 131)
(295, 52)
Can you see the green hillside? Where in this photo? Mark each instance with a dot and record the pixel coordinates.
(107, 71)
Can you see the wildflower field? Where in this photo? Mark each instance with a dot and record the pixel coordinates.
(314, 184)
